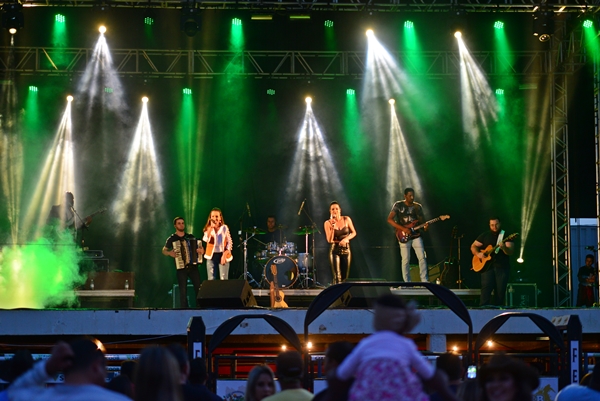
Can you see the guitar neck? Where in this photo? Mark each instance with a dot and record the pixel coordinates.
(427, 222)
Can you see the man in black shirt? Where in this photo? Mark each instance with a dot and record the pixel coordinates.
(494, 275)
(187, 252)
(587, 276)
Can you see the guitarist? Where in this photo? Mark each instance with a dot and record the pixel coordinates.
(63, 217)
(494, 275)
(404, 215)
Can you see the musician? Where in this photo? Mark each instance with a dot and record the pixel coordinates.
(405, 213)
(494, 275)
(186, 245)
(274, 232)
(64, 214)
(218, 239)
(587, 275)
(339, 230)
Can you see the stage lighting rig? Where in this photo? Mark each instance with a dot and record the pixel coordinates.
(12, 17)
(190, 19)
(543, 24)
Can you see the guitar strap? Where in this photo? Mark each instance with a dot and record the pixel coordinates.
(500, 238)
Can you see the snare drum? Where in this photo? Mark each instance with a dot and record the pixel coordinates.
(272, 249)
(287, 271)
(290, 249)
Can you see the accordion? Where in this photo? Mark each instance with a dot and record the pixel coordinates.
(186, 251)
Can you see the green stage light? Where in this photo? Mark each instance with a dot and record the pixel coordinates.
(328, 23)
(59, 18)
(588, 23)
(187, 91)
(108, 90)
(271, 92)
(148, 20)
(33, 89)
(409, 24)
(499, 91)
(236, 21)
(499, 25)
(350, 92)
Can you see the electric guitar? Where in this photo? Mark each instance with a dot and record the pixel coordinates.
(414, 231)
(479, 264)
(86, 219)
(276, 294)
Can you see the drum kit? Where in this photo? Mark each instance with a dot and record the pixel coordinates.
(294, 268)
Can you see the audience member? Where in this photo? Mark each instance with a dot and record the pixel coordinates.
(505, 378)
(11, 369)
(387, 365)
(260, 384)
(190, 392)
(451, 365)
(128, 369)
(578, 392)
(334, 356)
(157, 377)
(289, 371)
(122, 385)
(84, 367)
(469, 390)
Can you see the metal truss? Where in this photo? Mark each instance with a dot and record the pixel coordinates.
(336, 5)
(266, 64)
(597, 140)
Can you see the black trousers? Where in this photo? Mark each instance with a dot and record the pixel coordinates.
(340, 263)
(182, 275)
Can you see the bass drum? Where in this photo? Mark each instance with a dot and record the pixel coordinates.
(287, 271)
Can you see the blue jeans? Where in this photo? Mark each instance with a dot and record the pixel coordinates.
(495, 279)
(417, 245)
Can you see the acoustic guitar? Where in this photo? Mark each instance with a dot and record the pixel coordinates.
(414, 230)
(276, 294)
(479, 264)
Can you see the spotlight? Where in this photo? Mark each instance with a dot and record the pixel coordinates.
(296, 16)
(59, 18)
(69, 98)
(283, 347)
(236, 22)
(108, 89)
(148, 21)
(457, 34)
(392, 101)
(500, 92)
(145, 99)
(588, 23)
(261, 16)
(350, 92)
(328, 23)
(271, 92)
(490, 343)
(499, 25)
(33, 89)
(370, 33)
(12, 17)
(309, 345)
(520, 260)
(187, 91)
(543, 24)
(409, 25)
(308, 100)
(190, 21)
(102, 29)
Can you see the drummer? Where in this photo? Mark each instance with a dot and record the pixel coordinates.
(274, 232)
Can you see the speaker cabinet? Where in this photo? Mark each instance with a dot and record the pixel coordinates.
(225, 294)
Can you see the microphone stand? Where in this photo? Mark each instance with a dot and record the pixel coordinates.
(460, 280)
(316, 229)
(83, 227)
(246, 274)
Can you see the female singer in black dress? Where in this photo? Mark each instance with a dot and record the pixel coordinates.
(339, 231)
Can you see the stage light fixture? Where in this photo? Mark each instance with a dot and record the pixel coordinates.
(187, 91)
(308, 100)
(271, 92)
(350, 92)
(500, 92)
(236, 22)
(59, 18)
(499, 25)
(261, 16)
(588, 23)
(108, 90)
(33, 89)
(145, 99)
(309, 345)
(543, 24)
(102, 29)
(12, 17)
(392, 101)
(69, 98)
(409, 24)
(520, 260)
(370, 33)
(190, 20)
(148, 21)
(283, 347)
(328, 23)
(457, 34)
(295, 16)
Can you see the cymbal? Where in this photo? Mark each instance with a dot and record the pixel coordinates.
(255, 230)
(305, 230)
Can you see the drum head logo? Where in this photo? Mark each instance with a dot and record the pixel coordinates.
(279, 261)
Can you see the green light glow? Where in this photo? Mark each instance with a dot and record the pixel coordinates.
(409, 25)
(412, 47)
(271, 92)
(33, 89)
(500, 92)
(148, 21)
(108, 90)
(59, 18)
(499, 25)
(505, 55)
(328, 23)
(236, 41)
(236, 21)
(590, 39)
(187, 91)
(350, 92)
(59, 41)
(588, 23)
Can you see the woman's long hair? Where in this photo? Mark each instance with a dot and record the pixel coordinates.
(157, 376)
(214, 209)
(253, 376)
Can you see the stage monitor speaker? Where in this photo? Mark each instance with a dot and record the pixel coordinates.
(363, 297)
(225, 294)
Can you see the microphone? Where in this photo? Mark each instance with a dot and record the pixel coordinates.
(301, 207)
(248, 208)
